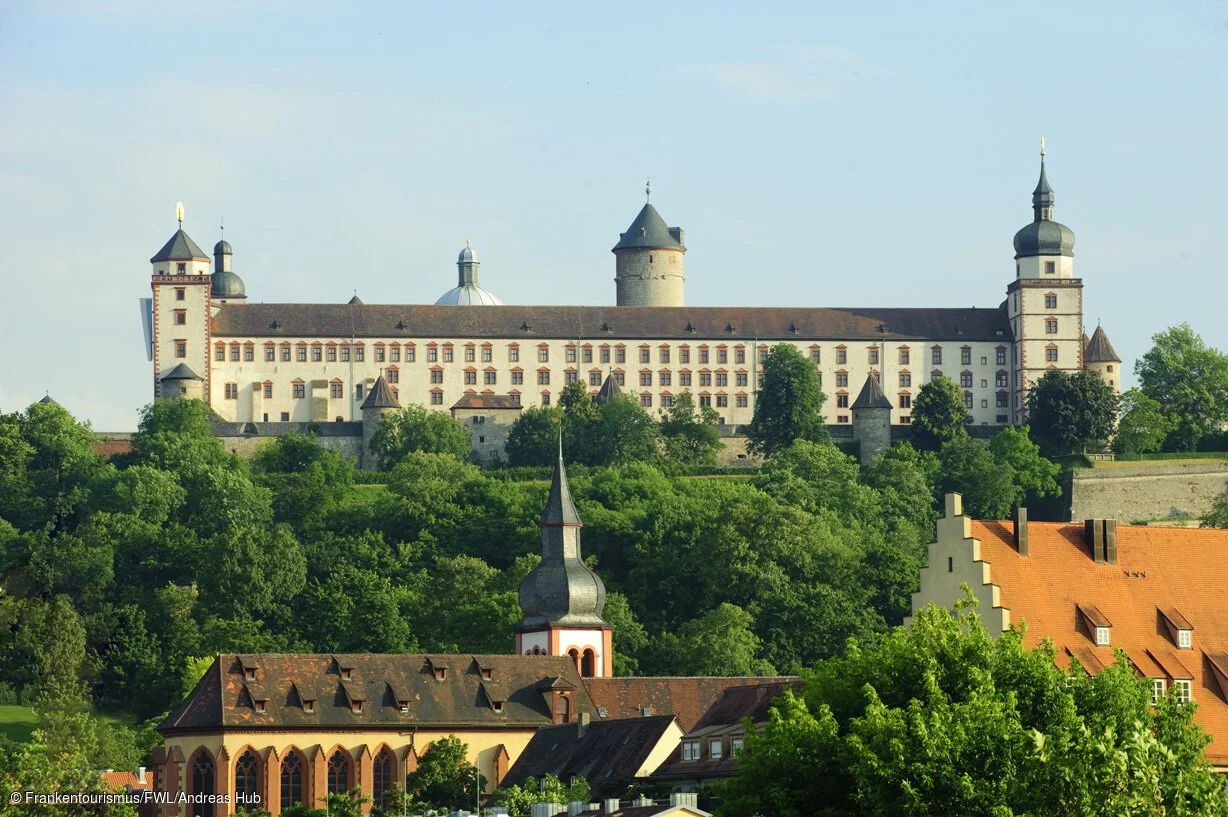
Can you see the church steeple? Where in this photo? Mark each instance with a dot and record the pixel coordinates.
(1042, 196)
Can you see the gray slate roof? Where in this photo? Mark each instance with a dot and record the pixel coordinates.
(380, 396)
(1099, 349)
(609, 389)
(225, 284)
(648, 232)
(560, 510)
(181, 247)
(597, 323)
(871, 395)
(181, 372)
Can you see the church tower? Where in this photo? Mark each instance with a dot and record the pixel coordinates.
(181, 312)
(562, 599)
(1045, 301)
(648, 261)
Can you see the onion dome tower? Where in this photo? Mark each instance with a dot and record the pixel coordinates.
(649, 260)
(467, 292)
(225, 285)
(1044, 247)
(562, 598)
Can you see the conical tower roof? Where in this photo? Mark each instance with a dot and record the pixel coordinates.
(1099, 349)
(560, 510)
(181, 247)
(609, 390)
(47, 401)
(648, 232)
(381, 396)
(871, 395)
(181, 372)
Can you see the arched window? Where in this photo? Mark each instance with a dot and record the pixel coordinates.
(338, 773)
(588, 664)
(574, 655)
(203, 783)
(562, 709)
(291, 780)
(246, 776)
(385, 762)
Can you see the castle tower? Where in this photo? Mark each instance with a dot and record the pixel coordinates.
(872, 420)
(1045, 301)
(225, 285)
(379, 404)
(181, 312)
(562, 599)
(181, 383)
(1100, 357)
(648, 261)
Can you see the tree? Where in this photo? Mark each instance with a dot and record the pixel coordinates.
(1032, 474)
(1144, 425)
(788, 404)
(722, 642)
(623, 433)
(308, 481)
(629, 636)
(445, 779)
(1189, 380)
(1217, 517)
(943, 719)
(415, 428)
(518, 800)
(1071, 412)
(533, 438)
(689, 431)
(969, 468)
(938, 414)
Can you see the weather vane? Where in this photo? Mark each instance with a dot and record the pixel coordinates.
(648, 190)
(179, 212)
(1042, 147)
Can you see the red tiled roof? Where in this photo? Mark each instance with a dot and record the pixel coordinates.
(1161, 573)
(126, 780)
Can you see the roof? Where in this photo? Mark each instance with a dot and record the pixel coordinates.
(116, 781)
(1147, 585)
(607, 754)
(596, 323)
(180, 247)
(1099, 349)
(354, 300)
(468, 295)
(871, 395)
(222, 248)
(648, 811)
(648, 232)
(226, 284)
(380, 396)
(487, 401)
(686, 697)
(559, 510)
(224, 697)
(609, 389)
(47, 400)
(181, 372)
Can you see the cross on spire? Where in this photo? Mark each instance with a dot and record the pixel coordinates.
(648, 191)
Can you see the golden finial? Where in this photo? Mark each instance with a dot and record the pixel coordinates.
(179, 212)
(1042, 147)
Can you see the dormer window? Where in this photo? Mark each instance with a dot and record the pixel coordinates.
(441, 673)
(309, 707)
(356, 707)
(1158, 688)
(715, 749)
(1102, 636)
(486, 675)
(261, 706)
(1185, 639)
(347, 674)
(735, 747)
(1184, 690)
(497, 706)
(249, 674)
(690, 750)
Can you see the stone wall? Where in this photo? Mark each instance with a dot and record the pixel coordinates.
(1146, 491)
(245, 439)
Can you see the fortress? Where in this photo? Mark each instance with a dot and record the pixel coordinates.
(263, 365)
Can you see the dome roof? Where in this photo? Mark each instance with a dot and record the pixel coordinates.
(1044, 238)
(468, 295)
(467, 255)
(227, 285)
(222, 248)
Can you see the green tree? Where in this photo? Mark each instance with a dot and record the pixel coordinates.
(533, 438)
(629, 635)
(251, 572)
(722, 642)
(415, 428)
(1032, 474)
(42, 644)
(1189, 380)
(624, 433)
(689, 431)
(518, 800)
(308, 481)
(1071, 411)
(969, 468)
(1144, 425)
(938, 414)
(445, 779)
(788, 404)
(943, 719)
(1217, 517)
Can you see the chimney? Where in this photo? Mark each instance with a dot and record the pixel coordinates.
(582, 724)
(684, 799)
(1093, 531)
(1021, 530)
(610, 806)
(1110, 541)
(140, 775)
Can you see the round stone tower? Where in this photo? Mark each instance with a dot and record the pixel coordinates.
(379, 404)
(648, 262)
(872, 420)
(1100, 357)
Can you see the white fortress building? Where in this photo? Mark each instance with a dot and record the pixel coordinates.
(296, 363)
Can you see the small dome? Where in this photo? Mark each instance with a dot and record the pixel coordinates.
(467, 255)
(468, 295)
(222, 248)
(227, 285)
(1044, 238)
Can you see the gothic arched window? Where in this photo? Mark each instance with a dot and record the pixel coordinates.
(291, 780)
(203, 783)
(385, 763)
(246, 777)
(338, 773)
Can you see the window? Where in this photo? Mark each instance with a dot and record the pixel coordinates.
(489, 378)
(735, 747)
(605, 354)
(436, 398)
(646, 400)
(842, 401)
(740, 378)
(432, 355)
(684, 355)
(905, 380)
(220, 353)
(181, 268)
(545, 398)
(722, 356)
(345, 354)
(336, 391)
(1000, 356)
(436, 375)
(841, 419)
(291, 780)
(1158, 688)
(715, 749)
(394, 354)
(358, 391)
(181, 317)
(181, 348)
(968, 400)
(543, 378)
(447, 354)
(703, 354)
(543, 354)
(1184, 690)
(763, 353)
(842, 356)
(1050, 301)
(411, 354)
(301, 354)
(487, 354)
(620, 379)
(1000, 380)
(234, 353)
(338, 773)
(270, 354)
(690, 750)
(180, 294)
(1002, 399)
(379, 354)
(268, 389)
(705, 378)
(905, 401)
(663, 354)
(644, 355)
(513, 354)
(903, 357)
(620, 355)
(202, 780)
(874, 357)
(1050, 357)
(285, 416)
(471, 377)
(232, 391)
(299, 390)
(517, 378)
(936, 356)
(645, 378)
(739, 355)
(383, 768)
(965, 380)
(594, 378)
(842, 380)
(665, 379)
(684, 378)
(816, 356)
(245, 777)
(1050, 326)
(1050, 267)
(471, 354)
(1185, 639)
(1102, 636)
(249, 353)
(741, 401)
(705, 399)
(570, 376)
(722, 379)
(965, 356)
(722, 401)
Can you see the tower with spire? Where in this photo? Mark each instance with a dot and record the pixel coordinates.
(182, 309)
(1100, 357)
(1044, 305)
(648, 260)
(562, 599)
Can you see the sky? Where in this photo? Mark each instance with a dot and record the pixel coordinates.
(818, 154)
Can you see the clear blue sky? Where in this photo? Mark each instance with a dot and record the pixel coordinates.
(818, 154)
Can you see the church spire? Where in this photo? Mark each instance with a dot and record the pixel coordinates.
(560, 510)
(1042, 196)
